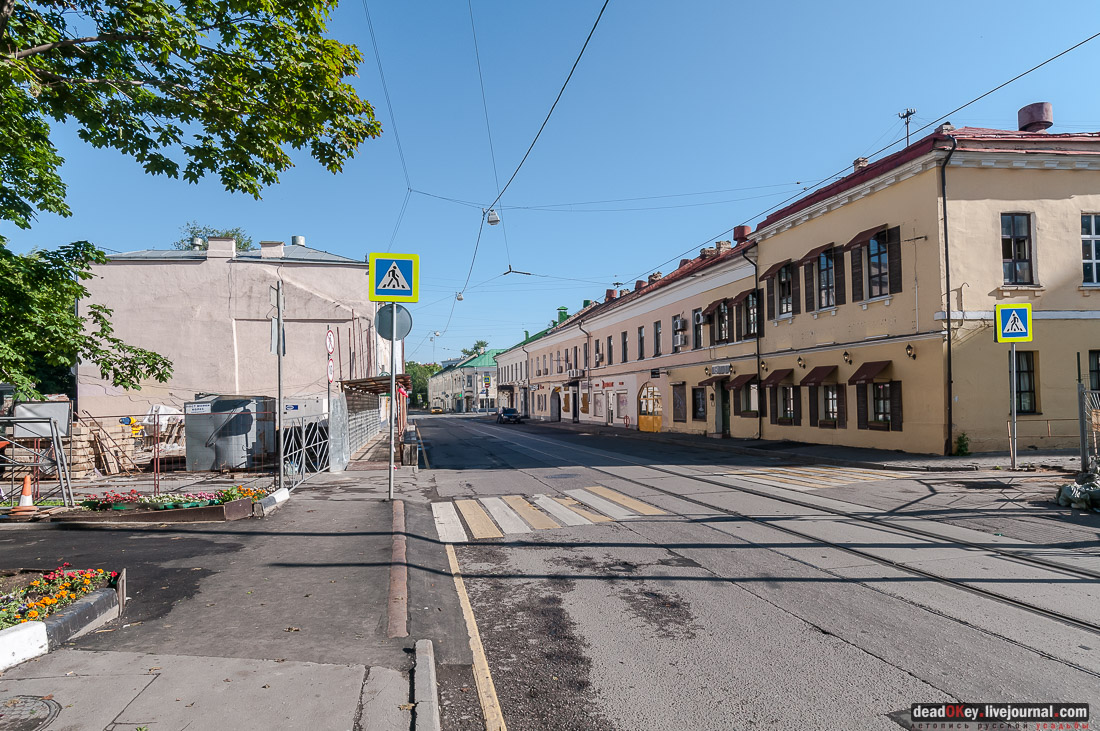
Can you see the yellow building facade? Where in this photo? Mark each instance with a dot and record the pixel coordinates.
(862, 314)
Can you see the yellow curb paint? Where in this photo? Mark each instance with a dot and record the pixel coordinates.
(627, 502)
(483, 678)
(481, 525)
(534, 518)
(576, 508)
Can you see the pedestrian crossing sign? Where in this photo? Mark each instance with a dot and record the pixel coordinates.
(1013, 323)
(394, 278)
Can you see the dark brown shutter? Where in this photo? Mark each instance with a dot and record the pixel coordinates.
(773, 396)
(735, 396)
(737, 321)
(797, 405)
(771, 298)
(842, 405)
(893, 253)
(796, 291)
(838, 274)
(895, 405)
(761, 400)
(812, 393)
(861, 405)
(857, 274)
(809, 274)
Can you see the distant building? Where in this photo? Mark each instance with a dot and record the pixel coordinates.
(469, 384)
(209, 312)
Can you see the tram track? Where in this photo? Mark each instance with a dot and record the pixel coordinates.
(878, 524)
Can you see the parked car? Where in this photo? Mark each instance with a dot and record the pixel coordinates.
(437, 409)
(509, 416)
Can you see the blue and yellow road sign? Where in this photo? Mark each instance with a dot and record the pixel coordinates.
(1013, 323)
(394, 278)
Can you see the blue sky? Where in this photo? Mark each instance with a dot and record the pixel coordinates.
(704, 114)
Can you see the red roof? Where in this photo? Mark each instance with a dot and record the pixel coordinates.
(941, 141)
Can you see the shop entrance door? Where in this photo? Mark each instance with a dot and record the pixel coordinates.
(555, 406)
(649, 409)
(725, 409)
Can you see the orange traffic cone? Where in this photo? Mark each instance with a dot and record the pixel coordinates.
(26, 506)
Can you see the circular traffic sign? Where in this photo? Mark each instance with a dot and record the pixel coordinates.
(331, 370)
(330, 342)
(384, 321)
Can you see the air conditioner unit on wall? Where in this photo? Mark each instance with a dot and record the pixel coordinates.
(700, 318)
(679, 340)
(576, 373)
(679, 323)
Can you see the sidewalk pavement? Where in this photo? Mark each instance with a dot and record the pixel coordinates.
(258, 624)
(1063, 460)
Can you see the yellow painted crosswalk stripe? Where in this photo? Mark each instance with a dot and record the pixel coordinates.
(535, 518)
(576, 508)
(481, 525)
(627, 502)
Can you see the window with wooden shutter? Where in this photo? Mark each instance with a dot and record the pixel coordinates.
(796, 294)
(737, 322)
(895, 405)
(761, 399)
(838, 274)
(841, 406)
(861, 406)
(771, 298)
(773, 397)
(808, 276)
(812, 393)
(857, 274)
(737, 399)
(893, 248)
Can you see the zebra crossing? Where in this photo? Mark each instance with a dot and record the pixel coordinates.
(813, 477)
(494, 517)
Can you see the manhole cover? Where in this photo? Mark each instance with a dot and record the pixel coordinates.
(27, 712)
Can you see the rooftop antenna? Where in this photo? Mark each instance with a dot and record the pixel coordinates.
(906, 115)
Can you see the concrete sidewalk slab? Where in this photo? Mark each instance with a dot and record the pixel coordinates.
(177, 691)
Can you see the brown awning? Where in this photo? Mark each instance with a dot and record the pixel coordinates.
(712, 380)
(709, 309)
(506, 387)
(377, 384)
(818, 375)
(864, 236)
(776, 376)
(741, 297)
(867, 372)
(775, 268)
(814, 253)
(740, 381)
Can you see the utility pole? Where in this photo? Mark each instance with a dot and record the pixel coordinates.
(906, 115)
(393, 387)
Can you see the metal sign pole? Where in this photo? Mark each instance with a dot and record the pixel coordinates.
(1012, 397)
(279, 345)
(393, 387)
(328, 387)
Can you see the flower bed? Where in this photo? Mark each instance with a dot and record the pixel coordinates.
(43, 596)
(112, 500)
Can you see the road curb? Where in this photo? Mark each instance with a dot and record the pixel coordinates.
(425, 688)
(33, 639)
(268, 505)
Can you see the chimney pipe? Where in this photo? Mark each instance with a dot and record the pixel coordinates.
(721, 246)
(860, 163)
(741, 234)
(1037, 117)
(610, 295)
(638, 284)
(683, 263)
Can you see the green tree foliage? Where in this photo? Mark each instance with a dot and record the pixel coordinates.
(42, 328)
(188, 89)
(193, 230)
(478, 346)
(420, 373)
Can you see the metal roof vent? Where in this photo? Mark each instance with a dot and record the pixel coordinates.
(1037, 117)
(297, 240)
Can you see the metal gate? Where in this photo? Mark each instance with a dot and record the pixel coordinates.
(1089, 416)
(305, 448)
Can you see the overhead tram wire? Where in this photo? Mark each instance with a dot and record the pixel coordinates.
(552, 106)
(844, 170)
(393, 119)
(488, 131)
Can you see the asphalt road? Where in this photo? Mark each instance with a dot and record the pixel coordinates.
(742, 609)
